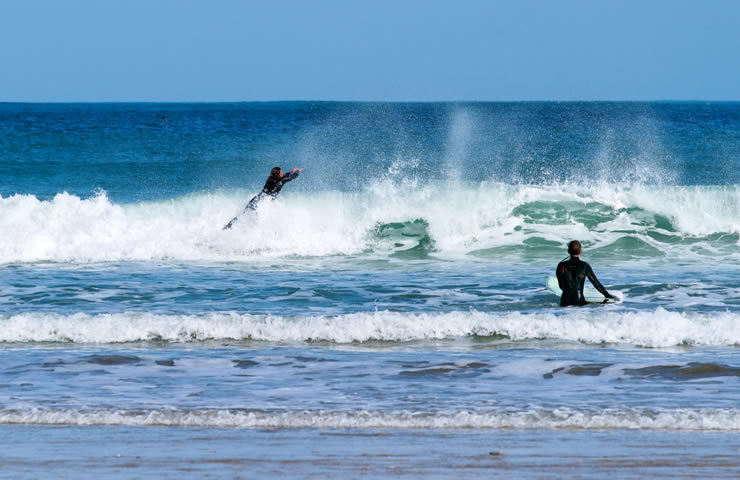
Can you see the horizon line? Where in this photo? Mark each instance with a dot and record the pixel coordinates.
(69, 102)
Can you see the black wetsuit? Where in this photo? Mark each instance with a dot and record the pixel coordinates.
(271, 189)
(572, 275)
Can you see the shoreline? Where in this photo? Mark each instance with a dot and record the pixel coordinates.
(153, 452)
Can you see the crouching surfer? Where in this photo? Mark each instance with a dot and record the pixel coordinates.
(572, 274)
(274, 184)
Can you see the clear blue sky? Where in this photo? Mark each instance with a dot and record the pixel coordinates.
(222, 50)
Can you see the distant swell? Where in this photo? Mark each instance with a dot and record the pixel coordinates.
(698, 419)
(659, 328)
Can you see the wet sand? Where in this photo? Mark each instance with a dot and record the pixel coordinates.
(165, 452)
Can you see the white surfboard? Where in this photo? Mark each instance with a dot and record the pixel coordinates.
(591, 294)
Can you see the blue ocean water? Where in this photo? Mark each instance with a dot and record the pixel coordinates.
(396, 286)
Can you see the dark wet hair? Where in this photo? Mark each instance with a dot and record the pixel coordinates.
(275, 172)
(574, 247)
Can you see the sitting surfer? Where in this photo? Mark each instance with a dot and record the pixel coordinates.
(272, 187)
(572, 274)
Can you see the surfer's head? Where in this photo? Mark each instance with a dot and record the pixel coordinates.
(574, 248)
(276, 173)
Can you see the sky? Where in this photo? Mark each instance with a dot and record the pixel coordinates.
(363, 50)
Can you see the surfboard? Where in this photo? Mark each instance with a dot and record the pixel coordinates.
(591, 294)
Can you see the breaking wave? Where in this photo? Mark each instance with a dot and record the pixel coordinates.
(697, 419)
(658, 328)
(534, 222)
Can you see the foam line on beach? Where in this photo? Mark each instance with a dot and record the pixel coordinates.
(683, 419)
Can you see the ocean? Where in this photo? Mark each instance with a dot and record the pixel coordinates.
(386, 314)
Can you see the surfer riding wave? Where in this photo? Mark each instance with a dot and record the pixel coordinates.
(273, 185)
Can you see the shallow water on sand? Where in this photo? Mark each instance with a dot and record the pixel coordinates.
(150, 452)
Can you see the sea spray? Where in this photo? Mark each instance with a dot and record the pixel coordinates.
(630, 221)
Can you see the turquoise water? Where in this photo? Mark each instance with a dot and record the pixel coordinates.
(395, 290)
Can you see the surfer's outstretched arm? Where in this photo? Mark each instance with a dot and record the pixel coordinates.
(292, 175)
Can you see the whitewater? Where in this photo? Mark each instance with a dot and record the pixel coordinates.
(659, 328)
(669, 222)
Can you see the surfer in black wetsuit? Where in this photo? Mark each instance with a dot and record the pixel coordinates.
(273, 185)
(572, 274)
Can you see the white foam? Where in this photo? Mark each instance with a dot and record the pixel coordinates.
(697, 419)
(658, 328)
(460, 219)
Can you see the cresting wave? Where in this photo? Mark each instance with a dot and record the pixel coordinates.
(633, 221)
(697, 419)
(658, 328)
